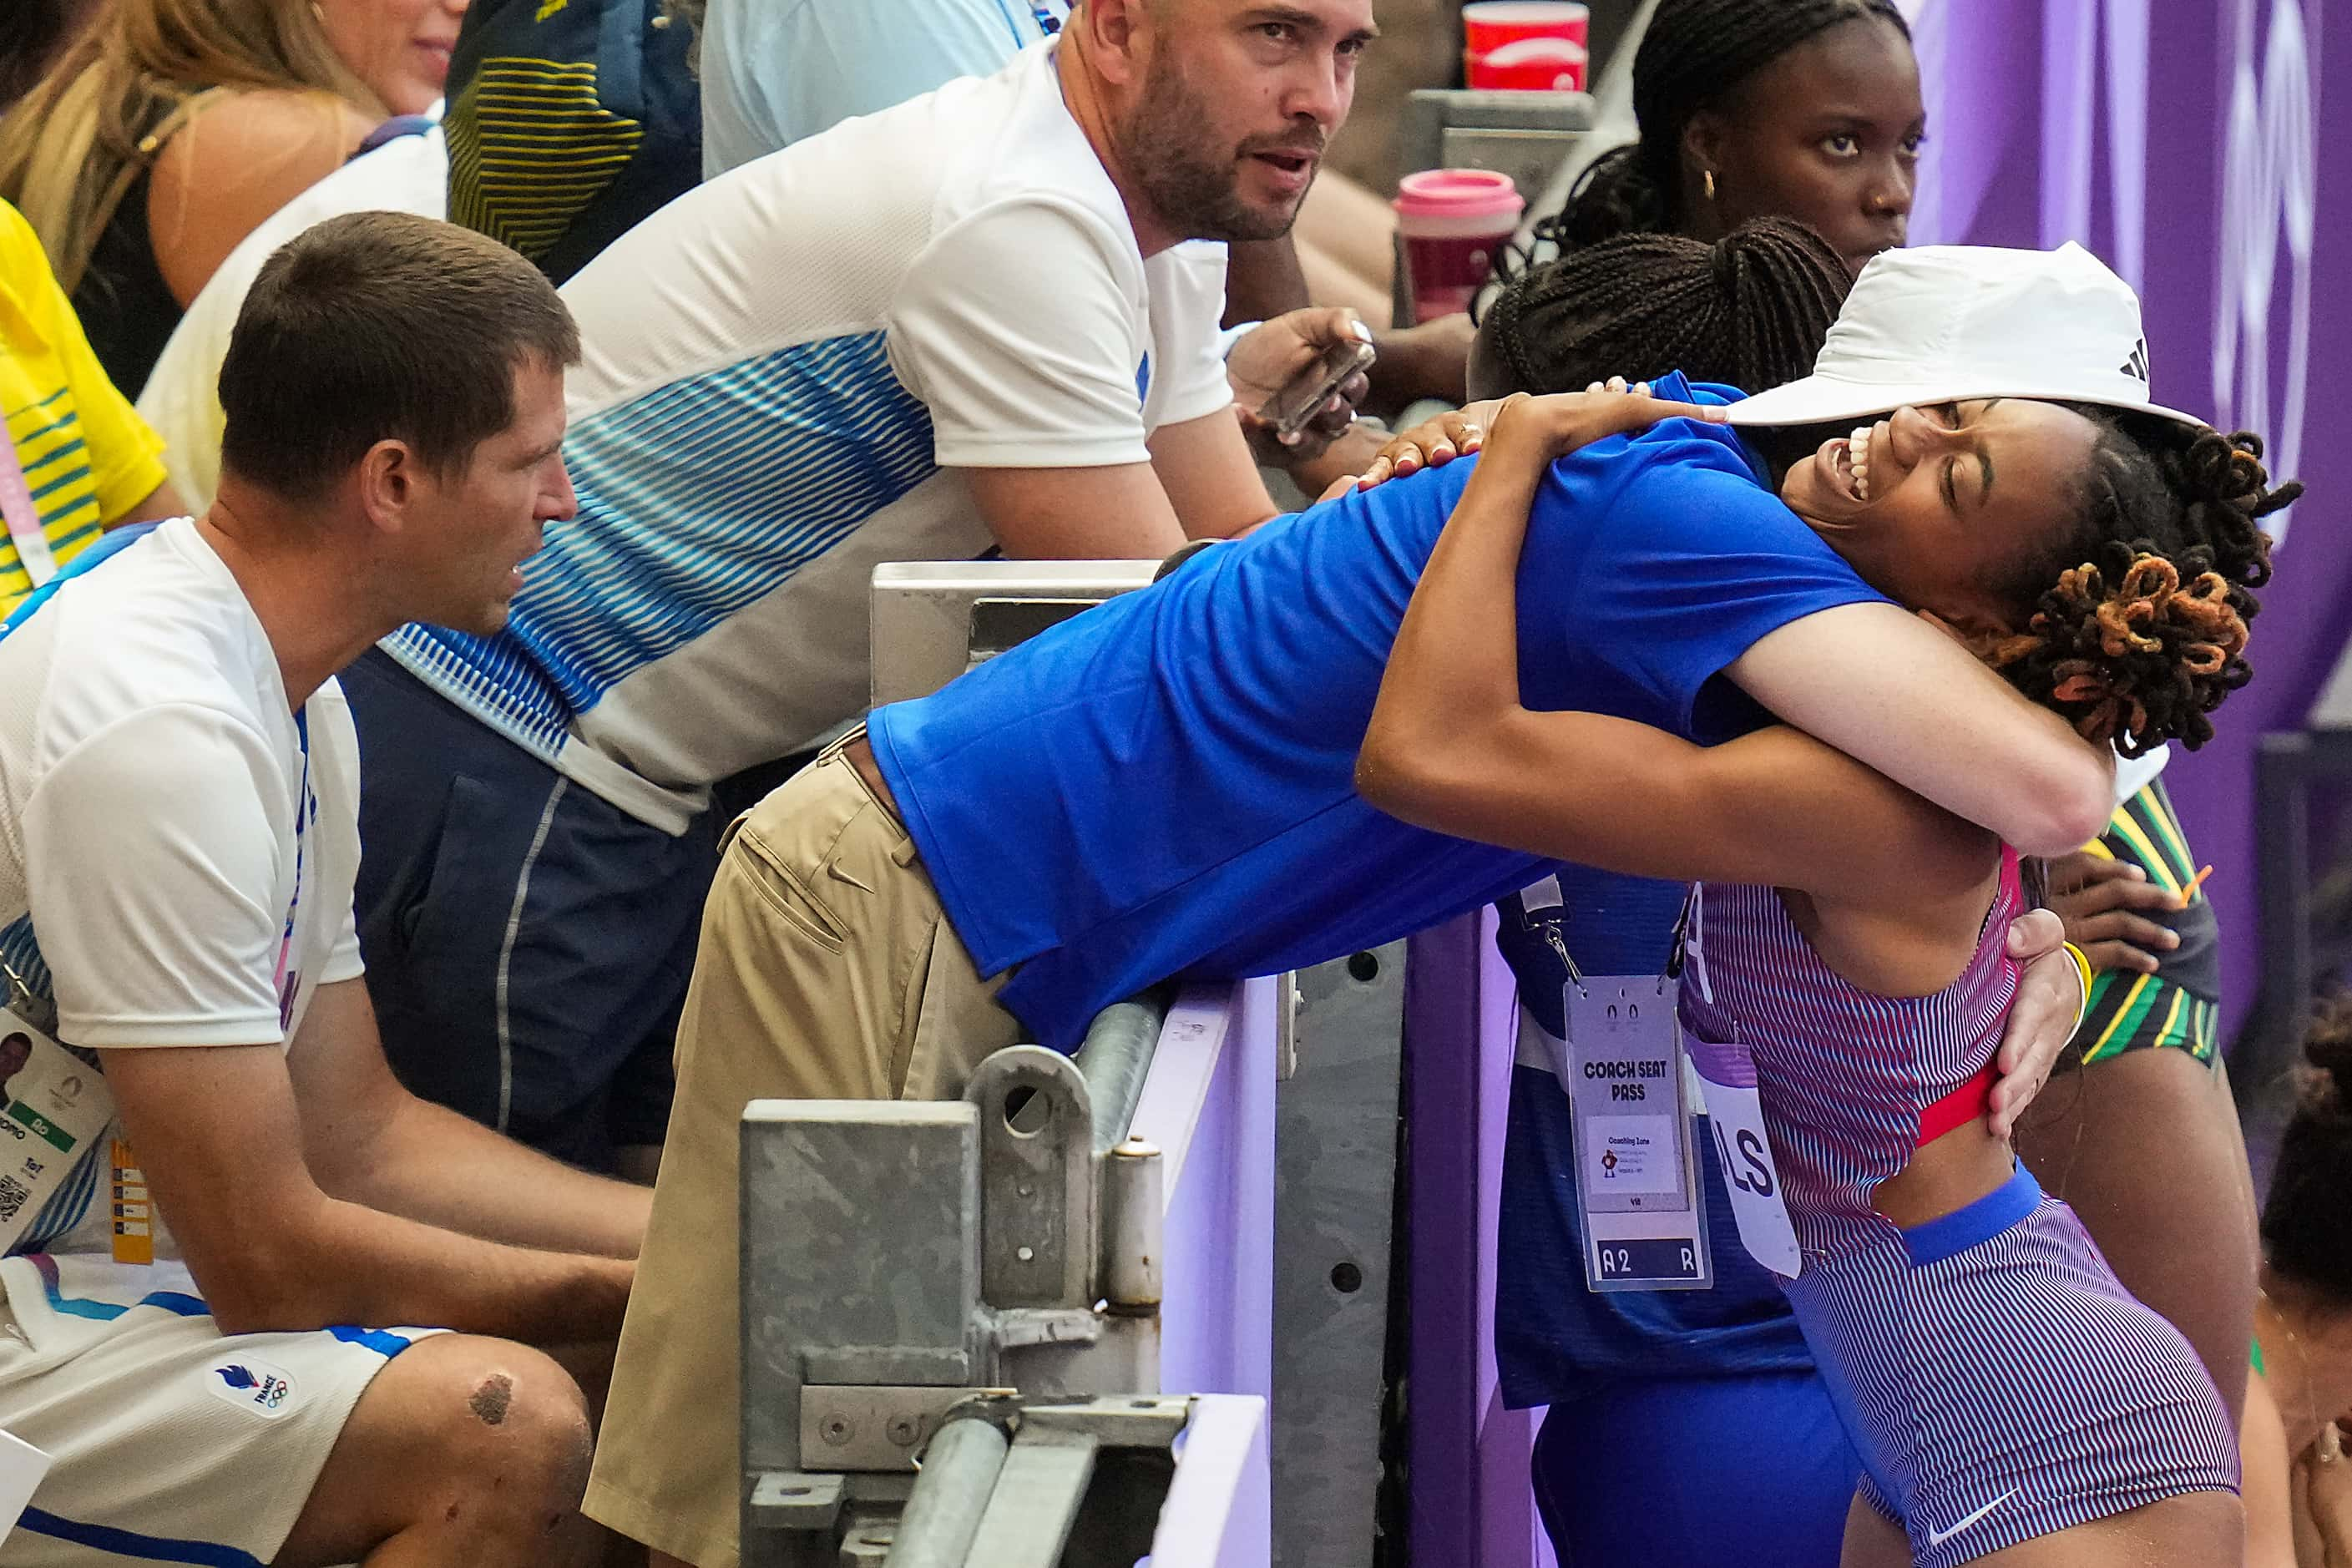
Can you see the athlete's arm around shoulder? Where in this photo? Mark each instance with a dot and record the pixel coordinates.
(1882, 685)
(1451, 747)
(1775, 807)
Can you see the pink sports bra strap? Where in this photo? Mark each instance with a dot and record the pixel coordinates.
(1973, 1099)
(1965, 1104)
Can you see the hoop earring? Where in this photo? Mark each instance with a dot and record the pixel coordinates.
(1709, 174)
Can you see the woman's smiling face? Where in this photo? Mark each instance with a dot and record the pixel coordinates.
(1936, 506)
(400, 48)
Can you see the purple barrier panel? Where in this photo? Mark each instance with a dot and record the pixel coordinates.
(1218, 1513)
(1980, 74)
(1468, 1457)
(1441, 1022)
(1506, 1525)
(2246, 100)
(1505, 1438)
(1208, 1102)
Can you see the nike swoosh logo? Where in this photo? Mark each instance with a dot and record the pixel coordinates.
(1937, 1537)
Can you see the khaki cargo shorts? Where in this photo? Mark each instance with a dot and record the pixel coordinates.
(827, 971)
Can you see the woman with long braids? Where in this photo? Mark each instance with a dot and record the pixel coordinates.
(2004, 1392)
(1658, 1373)
(1749, 109)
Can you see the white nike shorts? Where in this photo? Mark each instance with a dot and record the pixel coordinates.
(171, 1441)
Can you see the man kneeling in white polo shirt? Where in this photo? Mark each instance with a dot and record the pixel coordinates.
(198, 1330)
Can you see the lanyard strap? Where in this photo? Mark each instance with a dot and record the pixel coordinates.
(23, 518)
(1549, 920)
(1680, 950)
(301, 825)
(113, 543)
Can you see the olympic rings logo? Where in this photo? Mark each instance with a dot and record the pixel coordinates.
(2269, 188)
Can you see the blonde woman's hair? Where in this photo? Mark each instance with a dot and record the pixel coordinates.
(73, 145)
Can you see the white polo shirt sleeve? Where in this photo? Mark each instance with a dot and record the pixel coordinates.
(1023, 329)
(149, 857)
(1188, 308)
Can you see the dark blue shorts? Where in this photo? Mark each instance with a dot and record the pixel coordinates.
(528, 942)
(1672, 1471)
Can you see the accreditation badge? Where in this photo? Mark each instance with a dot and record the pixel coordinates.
(1636, 1175)
(54, 1112)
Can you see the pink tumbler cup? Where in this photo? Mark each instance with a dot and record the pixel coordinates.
(1452, 222)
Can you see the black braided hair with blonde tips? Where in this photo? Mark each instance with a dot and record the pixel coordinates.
(1695, 55)
(2143, 632)
(1751, 309)
(2306, 1224)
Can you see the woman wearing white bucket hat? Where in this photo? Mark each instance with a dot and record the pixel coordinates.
(2006, 1394)
(1633, 1379)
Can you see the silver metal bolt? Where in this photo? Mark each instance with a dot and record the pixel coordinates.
(1026, 1254)
(903, 1431)
(836, 1431)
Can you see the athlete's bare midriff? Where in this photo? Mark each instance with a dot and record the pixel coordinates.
(1946, 1176)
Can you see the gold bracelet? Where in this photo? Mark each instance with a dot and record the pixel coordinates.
(2083, 972)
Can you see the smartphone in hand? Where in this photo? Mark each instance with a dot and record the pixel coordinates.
(1302, 397)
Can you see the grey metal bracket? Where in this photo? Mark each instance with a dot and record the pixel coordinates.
(895, 1255)
(821, 1278)
(1143, 1421)
(1037, 1188)
(998, 624)
(869, 1427)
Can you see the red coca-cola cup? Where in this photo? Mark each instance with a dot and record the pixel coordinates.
(1452, 221)
(1526, 45)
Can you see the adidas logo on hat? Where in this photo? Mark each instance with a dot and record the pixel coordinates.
(1951, 322)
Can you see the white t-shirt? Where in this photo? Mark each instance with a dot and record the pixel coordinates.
(182, 398)
(775, 71)
(152, 872)
(782, 368)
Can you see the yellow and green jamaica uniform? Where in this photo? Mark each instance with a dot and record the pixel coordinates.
(2178, 1007)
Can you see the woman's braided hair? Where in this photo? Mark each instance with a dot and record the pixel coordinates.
(2144, 632)
(1694, 55)
(2306, 1225)
(1751, 309)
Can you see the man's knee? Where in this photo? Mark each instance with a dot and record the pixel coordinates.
(494, 1418)
(468, 1446)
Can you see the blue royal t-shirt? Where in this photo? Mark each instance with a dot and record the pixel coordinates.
(1555, 1341)
(1165, 785)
